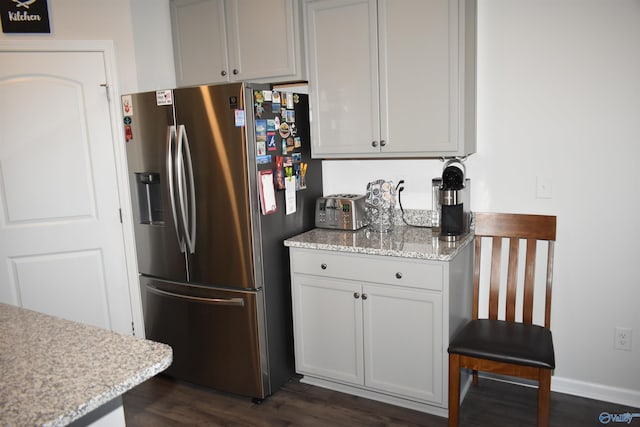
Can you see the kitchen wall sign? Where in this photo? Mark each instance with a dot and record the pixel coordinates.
(24, 16)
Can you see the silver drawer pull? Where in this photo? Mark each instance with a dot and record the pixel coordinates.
(356, 295)
(216, 301)
(364, 296)
(323, 266)
(398, 275)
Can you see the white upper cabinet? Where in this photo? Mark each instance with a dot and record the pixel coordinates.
(392, 78)
(343, 77)
(218, 41)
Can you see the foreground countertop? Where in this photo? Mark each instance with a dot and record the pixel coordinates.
(403, 241)
(54, 371)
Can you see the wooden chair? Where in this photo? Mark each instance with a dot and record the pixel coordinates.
(510, 346)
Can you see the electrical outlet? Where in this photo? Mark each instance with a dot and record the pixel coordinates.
(623, 338)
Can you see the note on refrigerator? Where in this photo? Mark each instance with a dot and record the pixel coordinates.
(290, 194)
(267, 192)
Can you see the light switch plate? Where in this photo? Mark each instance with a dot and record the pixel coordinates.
(543, 187)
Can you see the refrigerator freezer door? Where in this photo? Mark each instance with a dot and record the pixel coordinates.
(150, 158)
(223, 253)
(214, 334)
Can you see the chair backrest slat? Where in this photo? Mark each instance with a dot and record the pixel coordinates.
(547, 311)
(494, 284)
(529, 280)
(512, 277)
(514, 227)
(476, 277)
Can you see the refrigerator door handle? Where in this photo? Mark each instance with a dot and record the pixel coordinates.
(171, 139)
(187, 201)
(236, 302)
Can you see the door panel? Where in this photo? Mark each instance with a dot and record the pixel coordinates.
(213, 334)
(39, 176)
(415, 68)
(157, 243)
(343, 69)
(403, 342)
(44, 282)
(328, 328)
(223, 253)
(200, 41)
(61, 240)
(252, 56)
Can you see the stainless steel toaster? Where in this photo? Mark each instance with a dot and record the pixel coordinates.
(341, 211)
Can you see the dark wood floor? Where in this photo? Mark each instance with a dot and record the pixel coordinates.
(162, 401)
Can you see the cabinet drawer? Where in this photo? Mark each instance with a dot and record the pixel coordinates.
(368, 268)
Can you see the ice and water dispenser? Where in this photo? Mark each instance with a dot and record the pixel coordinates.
(149, 194)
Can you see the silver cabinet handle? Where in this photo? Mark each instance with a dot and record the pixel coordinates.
(323, 266)
(364, 296)
(223, 73)
(398, 275)
(356, 295)
(374, 143)
(235, 71)
(383, 142)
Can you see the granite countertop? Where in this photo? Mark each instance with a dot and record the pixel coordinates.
(403, 241)
(54, 371)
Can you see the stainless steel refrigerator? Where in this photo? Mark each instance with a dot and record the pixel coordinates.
(214, 274)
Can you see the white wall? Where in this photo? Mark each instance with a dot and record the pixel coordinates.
(558, 97)
(143, 53)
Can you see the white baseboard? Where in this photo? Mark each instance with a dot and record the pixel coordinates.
(438, 410)
(595, 391)
(620, 396)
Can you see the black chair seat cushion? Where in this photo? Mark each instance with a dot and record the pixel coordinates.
(509, 342)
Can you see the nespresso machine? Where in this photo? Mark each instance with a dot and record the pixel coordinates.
(451, 202)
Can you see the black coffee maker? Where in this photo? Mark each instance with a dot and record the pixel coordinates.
(454, 202)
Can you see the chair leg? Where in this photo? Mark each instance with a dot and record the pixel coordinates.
(544, 396)
(454, 389)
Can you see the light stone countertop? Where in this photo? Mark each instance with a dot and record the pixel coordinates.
(54, 371)
(403, 241)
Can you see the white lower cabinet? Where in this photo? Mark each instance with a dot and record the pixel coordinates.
(328, 329)
(403, 342)
(374, 325)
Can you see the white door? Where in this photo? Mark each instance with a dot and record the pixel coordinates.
(272, 53)
(200, 41)
(403, 342)
(61, 237)
(416, 83)
(343, 74)
(327, 326)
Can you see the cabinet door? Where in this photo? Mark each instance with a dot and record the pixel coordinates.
(342, 52)
(418, 83)
(328, 328)
(199, 41)
(261, 38)
(403, 342)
